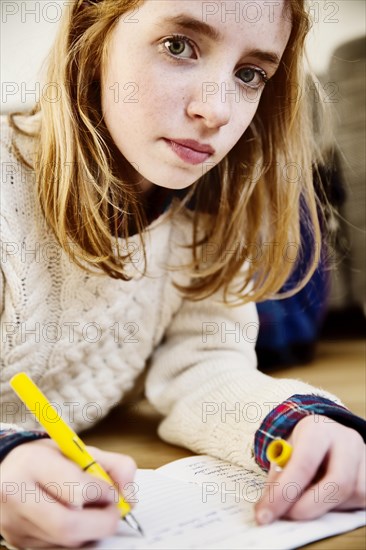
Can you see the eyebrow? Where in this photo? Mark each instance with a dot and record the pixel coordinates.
(188, 22)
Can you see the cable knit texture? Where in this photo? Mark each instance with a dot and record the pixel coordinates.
(84, 339)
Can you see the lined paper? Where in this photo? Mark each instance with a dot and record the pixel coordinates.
(176, 514)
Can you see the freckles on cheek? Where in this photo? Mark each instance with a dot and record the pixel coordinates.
(151, 106)
(157, 82)
(160, 101)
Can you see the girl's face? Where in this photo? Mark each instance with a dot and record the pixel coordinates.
(182, 70)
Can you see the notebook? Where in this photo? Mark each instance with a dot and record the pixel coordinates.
(201, 502)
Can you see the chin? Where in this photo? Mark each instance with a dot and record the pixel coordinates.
(172, 182)
(175, 187)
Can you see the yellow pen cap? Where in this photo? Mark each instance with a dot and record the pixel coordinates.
(279, 452)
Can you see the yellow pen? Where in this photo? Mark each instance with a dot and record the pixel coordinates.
(279, 452)
(69, 442)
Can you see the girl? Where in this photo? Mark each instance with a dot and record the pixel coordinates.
(144, 212)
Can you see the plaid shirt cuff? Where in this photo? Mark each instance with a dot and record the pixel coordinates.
(9, 439)
(281, 421)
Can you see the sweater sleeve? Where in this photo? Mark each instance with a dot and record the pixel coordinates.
(203, 378)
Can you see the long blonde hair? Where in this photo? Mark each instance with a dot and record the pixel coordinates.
(253, 197)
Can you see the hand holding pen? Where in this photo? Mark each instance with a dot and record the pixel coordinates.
(320, 468)
(48, 500)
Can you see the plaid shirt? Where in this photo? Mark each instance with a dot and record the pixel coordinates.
(281, 421)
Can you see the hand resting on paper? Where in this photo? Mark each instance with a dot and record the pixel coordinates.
(326, 471)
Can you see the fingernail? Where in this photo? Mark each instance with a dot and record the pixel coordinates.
(76, 506)
(77, 501)
(264, 516)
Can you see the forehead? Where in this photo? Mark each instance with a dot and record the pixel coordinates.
(229, 22)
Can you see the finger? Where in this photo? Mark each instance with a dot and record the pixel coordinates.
(121, 468)
(25, 532)
(49, 522)
(284, 488)
(65, 482)
(19, 541)
(358, 499)
(25, 535)
(334, 489)
(262, 511)
(76, 528)
(58, 524)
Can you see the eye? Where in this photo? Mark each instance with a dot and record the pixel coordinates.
(253, 78)
(176, 45)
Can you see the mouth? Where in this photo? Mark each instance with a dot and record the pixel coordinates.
(190, 151)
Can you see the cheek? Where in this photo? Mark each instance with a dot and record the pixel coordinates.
(159, 95)
(142, 94)
(242, 118)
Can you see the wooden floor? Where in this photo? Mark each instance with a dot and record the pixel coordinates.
(339, 367)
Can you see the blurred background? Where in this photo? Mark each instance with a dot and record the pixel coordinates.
(334, 303)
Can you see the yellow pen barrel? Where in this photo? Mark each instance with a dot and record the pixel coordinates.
(49, 418)
(96, 471)
(65, 437)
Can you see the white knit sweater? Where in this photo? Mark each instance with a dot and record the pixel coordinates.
(85, 339)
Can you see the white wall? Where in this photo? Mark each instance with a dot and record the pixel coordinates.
(27, 32)
(28, 28)
(333, 24)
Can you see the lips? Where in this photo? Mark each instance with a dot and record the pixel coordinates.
(187, 154)
(190, 151)
(195, 145)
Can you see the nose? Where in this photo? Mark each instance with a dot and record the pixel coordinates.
(211, 104)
